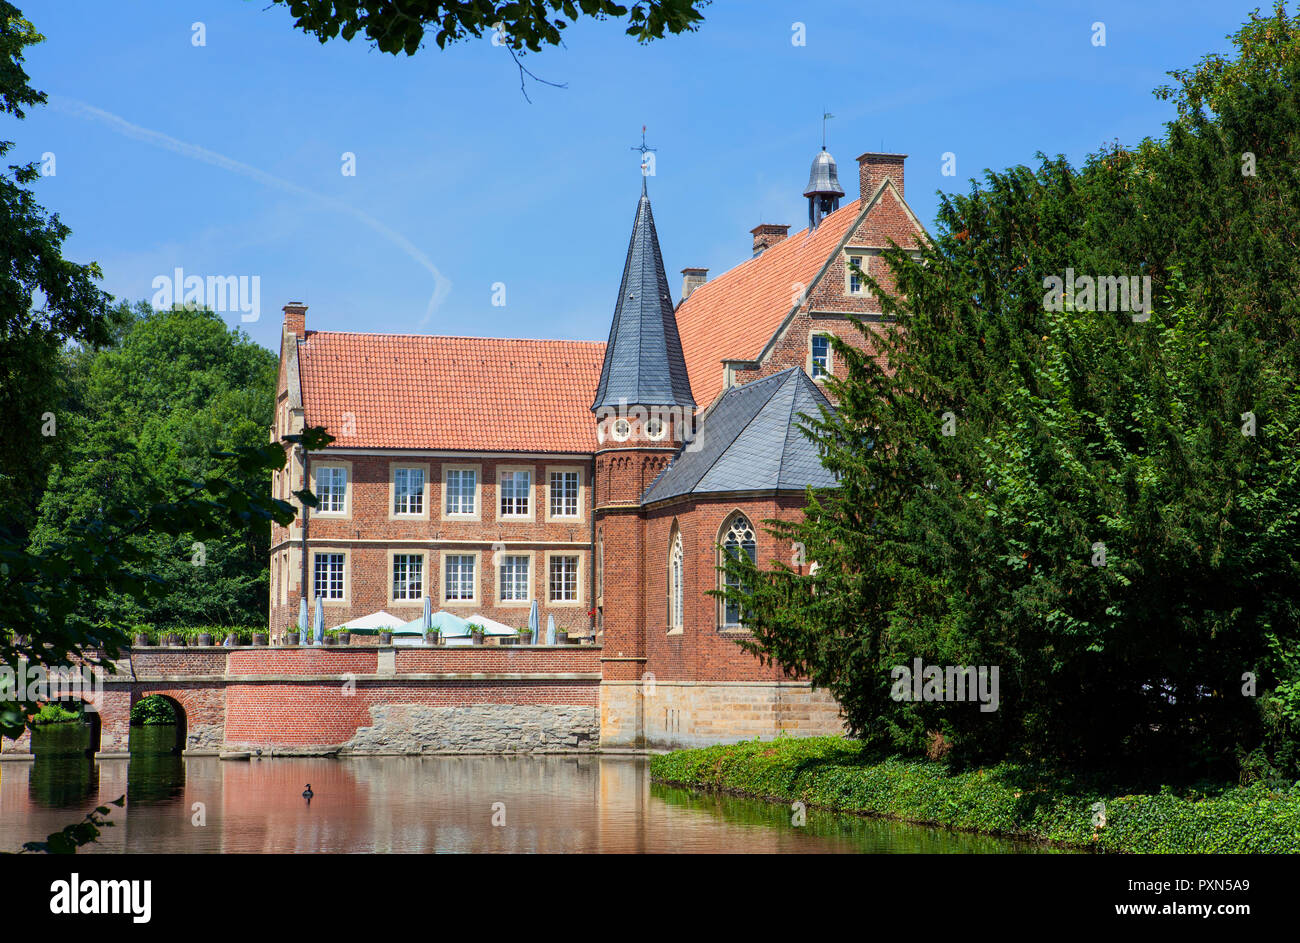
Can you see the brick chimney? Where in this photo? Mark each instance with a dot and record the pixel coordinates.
(295, 319)
(873, 168)
(767, 235)
(693, 278)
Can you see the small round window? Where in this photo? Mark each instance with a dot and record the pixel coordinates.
(622, 429)
(655, 428)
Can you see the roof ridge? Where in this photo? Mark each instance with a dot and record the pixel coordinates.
(460, 337)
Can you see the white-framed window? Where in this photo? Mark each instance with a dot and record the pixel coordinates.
(515, 487)
(737, 537)
(408, 490)
(514, 577)
(821, 355)
(460, 486)
(327, 575)
(332, 489)
(676, 594)
(564, 487)
(458, 577)
(562, 582)
(408, 576)
(856, 285)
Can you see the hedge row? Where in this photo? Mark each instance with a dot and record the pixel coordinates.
(835, 773)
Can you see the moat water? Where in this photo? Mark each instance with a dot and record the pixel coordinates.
(452, 804)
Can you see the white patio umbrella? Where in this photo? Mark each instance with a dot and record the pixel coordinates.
(428, 614)
(492, 627)
(550, 630)
(534, 622)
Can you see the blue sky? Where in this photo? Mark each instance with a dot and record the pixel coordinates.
(225, 159)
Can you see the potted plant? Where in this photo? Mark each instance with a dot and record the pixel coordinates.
(331, 640)
(205, 639)
(385, 638)
(293, 639)
(525, 636)
(231, 640)
(476, 633)
(561, 636)
(141, 640)
(259, 638)
(432, 637)
(345, 638)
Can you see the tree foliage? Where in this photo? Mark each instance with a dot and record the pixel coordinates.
(175, 386)
(397, 26)
(1114, 522)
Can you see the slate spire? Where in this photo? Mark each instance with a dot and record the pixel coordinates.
(643, 364)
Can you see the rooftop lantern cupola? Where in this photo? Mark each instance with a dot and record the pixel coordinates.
(824, 190)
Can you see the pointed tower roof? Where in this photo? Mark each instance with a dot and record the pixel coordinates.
(644, 365)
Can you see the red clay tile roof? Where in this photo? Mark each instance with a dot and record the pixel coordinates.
(409, 391)
(736, 314)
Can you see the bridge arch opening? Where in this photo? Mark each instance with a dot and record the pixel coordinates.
(158, 724)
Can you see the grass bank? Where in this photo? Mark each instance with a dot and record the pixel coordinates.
(834, 773)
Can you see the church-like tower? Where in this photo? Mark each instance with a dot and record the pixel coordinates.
(644, 410)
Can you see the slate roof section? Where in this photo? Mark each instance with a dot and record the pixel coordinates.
(750, 441)
(643, 358)
(736, 314)
(415, 391)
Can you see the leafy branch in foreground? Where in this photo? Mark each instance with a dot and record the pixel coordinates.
(68, 839)
(396, 27)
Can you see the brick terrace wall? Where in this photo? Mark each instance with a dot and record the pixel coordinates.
(363, 699)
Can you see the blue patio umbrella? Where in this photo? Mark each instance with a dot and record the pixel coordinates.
(534, 623)
(320, 620)
(550, 630)
(428, 614)
(302, 617)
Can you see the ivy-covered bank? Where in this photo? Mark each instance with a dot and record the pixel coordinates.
(835, 773)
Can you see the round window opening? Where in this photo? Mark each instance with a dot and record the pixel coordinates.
(622, 429)
(655, 428)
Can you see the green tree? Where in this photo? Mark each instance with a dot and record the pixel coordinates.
(177, 385)
(46, 302)
(1113, 522)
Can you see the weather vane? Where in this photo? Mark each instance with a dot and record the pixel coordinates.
(644, 149)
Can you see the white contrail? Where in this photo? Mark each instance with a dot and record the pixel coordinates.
(442, 285)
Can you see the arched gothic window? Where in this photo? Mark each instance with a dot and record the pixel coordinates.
(737, 537)
(676, 562)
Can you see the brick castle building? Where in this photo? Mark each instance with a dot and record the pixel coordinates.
(602, 480)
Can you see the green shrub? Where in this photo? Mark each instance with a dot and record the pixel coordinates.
(841, 774)
(52, 713)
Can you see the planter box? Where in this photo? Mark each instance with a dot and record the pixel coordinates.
(331, 640)
(205, 640)
(141, 641)
(561, 637)
(345, 638)
(259, 638)
(385, 638)
(293, 638)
